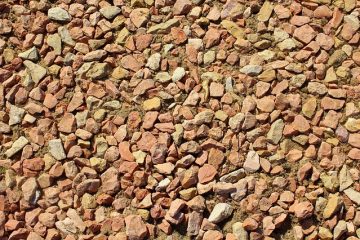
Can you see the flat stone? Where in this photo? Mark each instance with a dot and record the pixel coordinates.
(333, 205)
(17, 146)
(152, 104)
(353, 195)
(251, 70)
(265, 11)
(110, 12)
(30, 54)
(98, 71)
(276, 131)
(59, 14)
(56, 149)
(36, 71)
(163, 27)
(178, 74)
(252, 162)
(220, 212)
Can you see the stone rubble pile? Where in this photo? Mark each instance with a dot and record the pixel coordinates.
(179, 119)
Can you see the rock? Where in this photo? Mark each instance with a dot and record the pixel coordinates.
(309, 107)
(354, 140)
(239, 232)
(110, 12)
(233, 29)
(353, 195)
(220, 212)
(178, 74)
(65, 36)
(304, 210)
(345, 179)
(339, 229)
(181, 7)
(59, 14)
(265, 12)
(56, 149)
(17, 146)
(66, 226)
(163, 27)
(276, 131)
(252, 162)
(337, 58)
(206, 173)
(30, 54)
(325, 233)
(216, 89)
(16, 115)
(333, 205)
(304, 33)
(98, 71)
(152, 104)
(139, 16)
(251, 70)
(154, 61)
(135, 227)
(194, 223)
(36, 71)
(30, 191)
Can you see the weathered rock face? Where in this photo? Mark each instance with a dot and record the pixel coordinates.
(157, 119)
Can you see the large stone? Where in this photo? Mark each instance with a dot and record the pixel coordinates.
(332, 206)
(109, 12)
(30, 54)
(220, 212)
(99, 71)
(18, 145)
(252, 162)
(59, 14)
(36, 71)
(16, 114)
(135, 227)
(353, 195)
(163, 27)
(276, 131)
(265, 11)
(56, 149)
(30, 191)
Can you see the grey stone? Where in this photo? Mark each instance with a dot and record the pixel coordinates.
(65, 36)
(99, 71)
(66, 226)
(251, 70)
(15, 115)
(154, 61)
(19, 144)
(110, 12)
(30, 54)
(178, 74)
(345, 178)
(36, 71)
(276, 131)
(54, 41)
(59, 14)
(56, 149)
(353, 195)
(163, 27)
(220, 212)
(239, 232)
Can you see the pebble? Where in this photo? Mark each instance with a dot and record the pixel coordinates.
(220, 212)
(56, 149)
(59, 14)
(17, 146)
